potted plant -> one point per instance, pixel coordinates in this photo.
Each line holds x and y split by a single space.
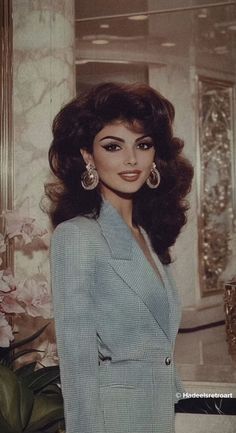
30 394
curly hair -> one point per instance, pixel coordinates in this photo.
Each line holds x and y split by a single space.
162 211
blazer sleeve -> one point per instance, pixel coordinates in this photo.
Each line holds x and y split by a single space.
72 274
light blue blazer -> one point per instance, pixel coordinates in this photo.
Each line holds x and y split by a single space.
116 325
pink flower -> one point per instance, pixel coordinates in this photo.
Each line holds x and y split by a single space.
48 357
9 304
45 358
18 225
7 281
35 294
8 294
6 334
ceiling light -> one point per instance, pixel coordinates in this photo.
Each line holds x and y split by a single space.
104 26
168 44
81 62
138 17
100 41
232 27
125 62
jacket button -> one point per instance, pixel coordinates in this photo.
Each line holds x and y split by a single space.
167 360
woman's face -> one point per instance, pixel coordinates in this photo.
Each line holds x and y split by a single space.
123 157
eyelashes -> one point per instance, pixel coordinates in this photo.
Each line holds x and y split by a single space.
145 146
113 147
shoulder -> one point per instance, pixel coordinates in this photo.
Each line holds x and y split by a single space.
78 224
78 229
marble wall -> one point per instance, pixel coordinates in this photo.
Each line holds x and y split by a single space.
43 67
185 250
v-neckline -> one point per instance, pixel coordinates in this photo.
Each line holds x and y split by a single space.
109 210
155 269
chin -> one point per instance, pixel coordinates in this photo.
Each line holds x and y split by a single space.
124 191
119 187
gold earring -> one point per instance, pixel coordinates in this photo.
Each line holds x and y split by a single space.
154 177
89 178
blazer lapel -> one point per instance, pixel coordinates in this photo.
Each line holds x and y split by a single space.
130 263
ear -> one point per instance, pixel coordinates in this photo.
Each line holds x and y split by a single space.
87 157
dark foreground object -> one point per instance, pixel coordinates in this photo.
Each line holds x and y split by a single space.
213 406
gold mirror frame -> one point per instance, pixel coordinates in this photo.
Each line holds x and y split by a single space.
216 180
6 123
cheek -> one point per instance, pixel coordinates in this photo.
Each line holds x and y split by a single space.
146 160
105 162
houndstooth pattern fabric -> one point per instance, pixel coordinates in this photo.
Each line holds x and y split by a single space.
116 324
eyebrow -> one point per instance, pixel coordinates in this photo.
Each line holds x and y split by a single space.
121 139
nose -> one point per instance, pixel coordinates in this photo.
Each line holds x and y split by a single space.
130 158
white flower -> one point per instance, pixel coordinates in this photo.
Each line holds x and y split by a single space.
48 356
7 281
18 225
6 334
35 294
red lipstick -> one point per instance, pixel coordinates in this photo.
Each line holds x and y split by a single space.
130 175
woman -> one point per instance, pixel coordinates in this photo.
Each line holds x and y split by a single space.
118 205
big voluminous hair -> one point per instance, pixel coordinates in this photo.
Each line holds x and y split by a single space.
161 211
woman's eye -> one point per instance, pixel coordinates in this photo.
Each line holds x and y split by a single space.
111 147
145 146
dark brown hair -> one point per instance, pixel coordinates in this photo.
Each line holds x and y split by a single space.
162 211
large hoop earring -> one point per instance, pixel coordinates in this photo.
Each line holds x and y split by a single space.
154 177
89 178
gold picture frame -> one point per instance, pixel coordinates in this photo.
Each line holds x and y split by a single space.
216 180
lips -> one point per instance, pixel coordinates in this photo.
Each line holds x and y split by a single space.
130 176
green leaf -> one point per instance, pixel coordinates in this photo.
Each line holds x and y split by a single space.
26 404
55 427
5 356
6 353
41 378
20 343
29 339
51 389
24 352
46 410
5 361
4 426
16 400
26 369
10 399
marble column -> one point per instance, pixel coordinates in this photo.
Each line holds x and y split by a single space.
44 80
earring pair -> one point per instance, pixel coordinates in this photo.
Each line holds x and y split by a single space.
90 178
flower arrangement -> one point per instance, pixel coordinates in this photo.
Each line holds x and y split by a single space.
30 296
30 395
